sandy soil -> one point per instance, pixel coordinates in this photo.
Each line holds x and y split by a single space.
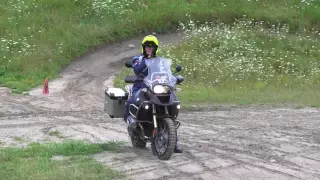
236 143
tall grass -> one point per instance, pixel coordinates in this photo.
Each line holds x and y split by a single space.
39 37
247 63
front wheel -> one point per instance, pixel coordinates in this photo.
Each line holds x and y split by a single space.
164 140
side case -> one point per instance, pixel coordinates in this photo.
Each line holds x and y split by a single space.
114 104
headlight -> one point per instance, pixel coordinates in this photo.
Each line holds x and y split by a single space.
159 89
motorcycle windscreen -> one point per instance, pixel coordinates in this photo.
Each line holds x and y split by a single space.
159 72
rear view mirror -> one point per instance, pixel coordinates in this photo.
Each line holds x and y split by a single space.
178 68
128 64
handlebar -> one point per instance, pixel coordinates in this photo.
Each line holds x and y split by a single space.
133 79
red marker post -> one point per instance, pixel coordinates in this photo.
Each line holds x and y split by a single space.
46 86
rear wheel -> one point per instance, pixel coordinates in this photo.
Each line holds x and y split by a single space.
164 140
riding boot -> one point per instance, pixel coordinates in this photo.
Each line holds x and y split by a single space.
177 149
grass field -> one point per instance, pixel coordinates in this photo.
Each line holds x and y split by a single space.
37 162
246 63
39 37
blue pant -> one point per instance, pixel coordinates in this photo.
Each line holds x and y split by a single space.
126 113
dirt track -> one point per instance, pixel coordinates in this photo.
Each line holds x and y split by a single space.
238 143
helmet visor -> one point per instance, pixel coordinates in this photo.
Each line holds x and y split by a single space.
149 44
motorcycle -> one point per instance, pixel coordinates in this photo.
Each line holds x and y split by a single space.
156 107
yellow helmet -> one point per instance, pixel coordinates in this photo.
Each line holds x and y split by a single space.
150 40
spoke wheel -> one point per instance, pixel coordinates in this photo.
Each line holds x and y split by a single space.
164 140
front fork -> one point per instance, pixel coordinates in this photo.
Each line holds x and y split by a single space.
154 115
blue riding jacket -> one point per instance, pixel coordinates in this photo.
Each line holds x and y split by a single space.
140 70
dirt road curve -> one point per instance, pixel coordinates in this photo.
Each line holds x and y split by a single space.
239 143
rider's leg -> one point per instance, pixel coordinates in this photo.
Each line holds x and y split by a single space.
135 88
129 118
126 112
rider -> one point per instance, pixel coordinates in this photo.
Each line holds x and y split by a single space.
149 50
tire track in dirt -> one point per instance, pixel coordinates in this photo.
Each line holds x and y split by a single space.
224 154
239 143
